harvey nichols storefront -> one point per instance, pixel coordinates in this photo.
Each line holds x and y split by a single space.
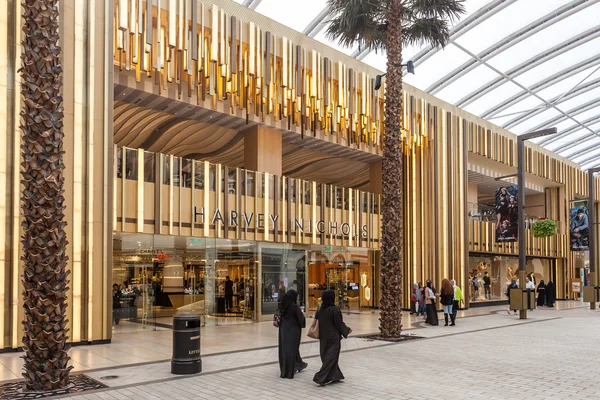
229 242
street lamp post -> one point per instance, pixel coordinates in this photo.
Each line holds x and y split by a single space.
521 202
592 233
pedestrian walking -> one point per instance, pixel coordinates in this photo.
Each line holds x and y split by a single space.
513 285
550 294
291 323
541 294
421 300
432 317
447 300
414 305
458 299
331 331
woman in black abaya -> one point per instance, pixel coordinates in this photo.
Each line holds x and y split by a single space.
290 331
432 317
541 294
331 330
550 294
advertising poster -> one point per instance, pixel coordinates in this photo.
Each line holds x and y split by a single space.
579 228
507 214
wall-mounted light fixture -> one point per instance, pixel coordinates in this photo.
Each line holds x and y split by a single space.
410 67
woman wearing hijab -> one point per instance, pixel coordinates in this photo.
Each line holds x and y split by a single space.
550 294
414 308
432 317
331 330
541 294
290 331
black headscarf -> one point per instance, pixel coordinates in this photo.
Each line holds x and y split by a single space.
328 298
288 299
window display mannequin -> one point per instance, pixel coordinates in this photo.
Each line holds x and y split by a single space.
486 285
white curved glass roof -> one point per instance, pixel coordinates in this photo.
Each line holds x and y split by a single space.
521 64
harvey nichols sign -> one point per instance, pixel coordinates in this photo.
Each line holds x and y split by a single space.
251 220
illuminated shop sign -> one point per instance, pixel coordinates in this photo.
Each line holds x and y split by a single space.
259 220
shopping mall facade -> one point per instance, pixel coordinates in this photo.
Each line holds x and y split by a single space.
215 158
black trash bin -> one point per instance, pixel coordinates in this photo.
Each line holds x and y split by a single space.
186 344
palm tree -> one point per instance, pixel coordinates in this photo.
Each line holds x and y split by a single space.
42 201
388 25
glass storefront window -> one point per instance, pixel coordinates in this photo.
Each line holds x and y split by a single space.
149 166
260 184
307 193
224 179
345 270
231 180
292 189
283 268
119 158
176 170
212 177
167 171
158 276
131 167
186 173
249 183
199 175
489 276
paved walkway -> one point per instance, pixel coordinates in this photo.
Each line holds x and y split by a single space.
553 354
132 344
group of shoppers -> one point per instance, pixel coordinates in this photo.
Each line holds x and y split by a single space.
546 293
424 300
331 328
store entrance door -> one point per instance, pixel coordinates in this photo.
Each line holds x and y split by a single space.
234 282
133 299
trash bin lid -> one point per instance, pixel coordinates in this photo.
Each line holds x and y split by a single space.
186 317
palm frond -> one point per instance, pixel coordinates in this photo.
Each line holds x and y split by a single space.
441 9
433 31
357 22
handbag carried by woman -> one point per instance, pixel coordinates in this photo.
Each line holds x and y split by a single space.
313 331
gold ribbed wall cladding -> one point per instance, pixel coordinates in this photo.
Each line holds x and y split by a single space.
499 147
163 194
87 94
207 53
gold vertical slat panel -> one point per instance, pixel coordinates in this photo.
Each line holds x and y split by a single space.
5 130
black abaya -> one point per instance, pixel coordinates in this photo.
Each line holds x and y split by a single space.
432 316
331 330
550 294
541 294
290 332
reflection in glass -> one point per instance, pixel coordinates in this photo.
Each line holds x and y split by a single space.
176 170
249 183
199 175
167 171
283 269
212 177
186 173
489 276
149 166
131 167
231 178
119 158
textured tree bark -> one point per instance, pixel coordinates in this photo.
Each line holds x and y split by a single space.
42 201
392 183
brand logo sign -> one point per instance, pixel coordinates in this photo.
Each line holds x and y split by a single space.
259 221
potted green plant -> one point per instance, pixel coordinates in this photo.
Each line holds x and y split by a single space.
543 228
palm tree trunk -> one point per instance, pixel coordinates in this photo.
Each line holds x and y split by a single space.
42 201
392 182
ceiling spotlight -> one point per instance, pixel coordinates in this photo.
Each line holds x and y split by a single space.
410 67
